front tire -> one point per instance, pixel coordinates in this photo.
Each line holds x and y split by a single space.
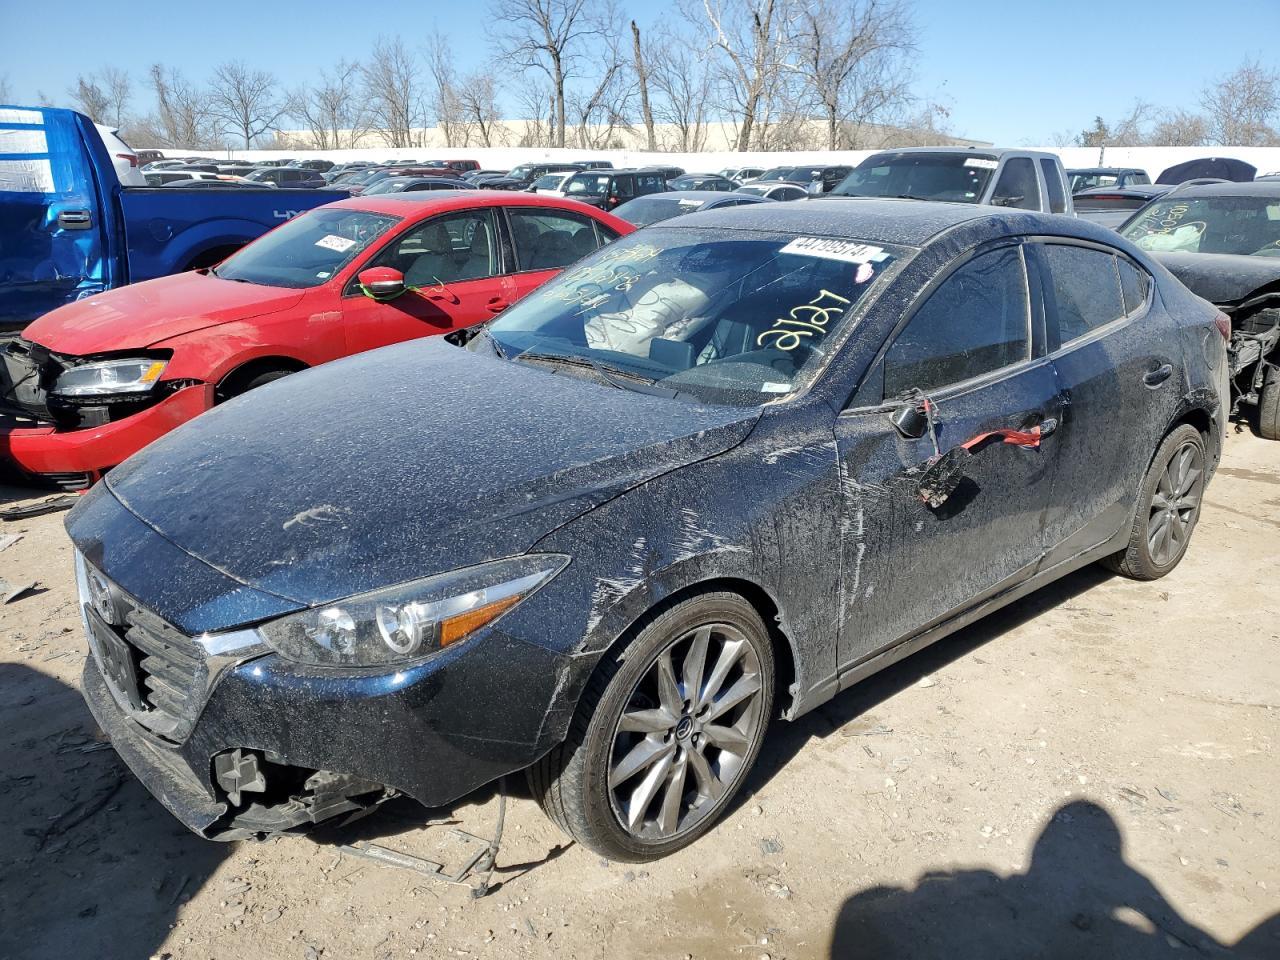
665 732
1269 404
1168 508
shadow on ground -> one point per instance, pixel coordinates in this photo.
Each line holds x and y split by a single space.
90 863
1079 899
785 740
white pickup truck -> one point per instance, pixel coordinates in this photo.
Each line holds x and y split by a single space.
1024 179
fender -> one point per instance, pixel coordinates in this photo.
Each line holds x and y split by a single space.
209 354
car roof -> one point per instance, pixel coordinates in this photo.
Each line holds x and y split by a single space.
687 195
394 203
1253 188
1103 170
907 222
997 152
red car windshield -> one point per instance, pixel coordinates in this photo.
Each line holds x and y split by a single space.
308 250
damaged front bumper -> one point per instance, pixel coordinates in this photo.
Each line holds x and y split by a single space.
71 441
264 745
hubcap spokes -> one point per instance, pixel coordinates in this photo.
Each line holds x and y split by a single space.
1175 504
683 738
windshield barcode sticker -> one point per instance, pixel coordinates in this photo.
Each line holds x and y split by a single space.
982 163
829 248
340 244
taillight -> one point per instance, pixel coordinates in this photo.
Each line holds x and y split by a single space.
1223 323
132 158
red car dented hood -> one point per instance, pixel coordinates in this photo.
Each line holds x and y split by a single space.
143 314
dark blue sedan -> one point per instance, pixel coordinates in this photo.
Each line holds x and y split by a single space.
710 476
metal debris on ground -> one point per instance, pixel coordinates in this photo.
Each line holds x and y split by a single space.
481 863
9 539
9 592
25 511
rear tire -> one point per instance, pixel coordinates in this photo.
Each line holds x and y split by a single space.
1167 510
1269 404
665 732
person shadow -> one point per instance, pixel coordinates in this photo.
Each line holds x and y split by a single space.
1079 899
90 863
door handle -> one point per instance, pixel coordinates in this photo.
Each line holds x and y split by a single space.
1048 427
496 305
75 219
1158 376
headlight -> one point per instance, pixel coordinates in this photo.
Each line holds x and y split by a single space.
109 377
412 620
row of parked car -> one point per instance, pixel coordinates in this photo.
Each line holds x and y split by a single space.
610 500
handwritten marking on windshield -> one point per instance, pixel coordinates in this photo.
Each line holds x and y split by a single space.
813 319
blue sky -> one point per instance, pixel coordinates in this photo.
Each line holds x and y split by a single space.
1012 72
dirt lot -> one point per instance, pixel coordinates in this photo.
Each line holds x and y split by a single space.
1094 772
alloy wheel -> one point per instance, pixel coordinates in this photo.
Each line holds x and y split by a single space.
1175 504
682 740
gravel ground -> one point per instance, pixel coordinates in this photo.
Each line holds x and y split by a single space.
1092 772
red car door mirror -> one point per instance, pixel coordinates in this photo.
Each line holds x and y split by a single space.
381 283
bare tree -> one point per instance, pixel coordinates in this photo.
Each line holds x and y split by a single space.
182 117
445 101
548 36
538 110
600 111
246 102
6 89
478 104
89 98
333 110
1179 128
642 81
1242 108
750 39
854 57
393 84
683 89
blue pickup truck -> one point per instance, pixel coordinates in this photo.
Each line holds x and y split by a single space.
69 229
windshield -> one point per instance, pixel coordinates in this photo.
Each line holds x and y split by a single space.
645 210
777 173
591 184
550 182
522 172
1247 226
739 317
954 177
307 250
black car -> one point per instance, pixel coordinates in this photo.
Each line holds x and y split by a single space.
288 177
1223 241
1112 206
607 189
318 165
415 184
773 190
702 181
668 172
729 466
656 207
1088 178
522 176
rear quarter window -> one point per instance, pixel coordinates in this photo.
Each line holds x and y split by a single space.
1135 284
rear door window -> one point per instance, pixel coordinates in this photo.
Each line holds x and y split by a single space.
977 321
1017 186
551 239
1085 287
1053 185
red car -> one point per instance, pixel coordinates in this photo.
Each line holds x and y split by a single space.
91 382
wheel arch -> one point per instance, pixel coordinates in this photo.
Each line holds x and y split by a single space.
785 660
246 370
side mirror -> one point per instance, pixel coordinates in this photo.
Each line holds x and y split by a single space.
910 421
381 283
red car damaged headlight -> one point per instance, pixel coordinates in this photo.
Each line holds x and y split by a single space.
109 377
413 620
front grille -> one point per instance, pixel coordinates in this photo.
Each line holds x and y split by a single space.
168 669
171 669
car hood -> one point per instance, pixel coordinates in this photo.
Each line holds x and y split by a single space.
142 314
404 462
1219 277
